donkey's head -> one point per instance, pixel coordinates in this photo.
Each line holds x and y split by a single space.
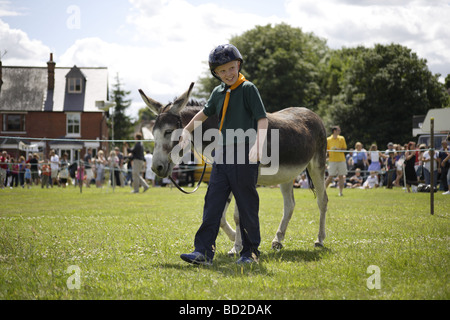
168 119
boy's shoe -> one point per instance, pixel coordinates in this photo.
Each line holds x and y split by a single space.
245 260
196 258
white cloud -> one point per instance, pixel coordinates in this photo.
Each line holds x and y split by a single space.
419 25
21 50
7 11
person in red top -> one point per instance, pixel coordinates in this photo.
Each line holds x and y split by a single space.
46 174
3 168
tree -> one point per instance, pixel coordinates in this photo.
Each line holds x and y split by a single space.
373 93
282 61
123 127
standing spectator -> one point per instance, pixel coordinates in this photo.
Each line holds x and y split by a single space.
34 168
149 174
138 162
64 173
54 166
80 174
426 159
359 158
45 173
390 168
410 171
445 165
28 175
114 170
447 160
88 167
100 164
14 168
22 166
337 165
3 169
121 158
374 156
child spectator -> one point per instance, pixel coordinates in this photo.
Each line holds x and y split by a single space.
28 175
45 174
371 181
356 180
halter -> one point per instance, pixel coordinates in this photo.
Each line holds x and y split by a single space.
179 125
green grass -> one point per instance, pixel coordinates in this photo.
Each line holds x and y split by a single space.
127 246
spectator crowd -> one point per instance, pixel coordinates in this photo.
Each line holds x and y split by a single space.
48 172
400 165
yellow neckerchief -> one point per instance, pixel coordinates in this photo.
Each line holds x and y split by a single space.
240 80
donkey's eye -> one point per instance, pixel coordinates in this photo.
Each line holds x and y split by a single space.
168 132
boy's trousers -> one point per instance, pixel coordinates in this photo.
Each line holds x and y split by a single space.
241 180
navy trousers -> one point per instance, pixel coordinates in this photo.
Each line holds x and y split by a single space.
241 180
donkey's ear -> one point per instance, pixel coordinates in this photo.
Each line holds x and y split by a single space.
181 101
153 105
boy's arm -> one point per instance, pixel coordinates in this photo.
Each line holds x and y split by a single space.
186 134
256 151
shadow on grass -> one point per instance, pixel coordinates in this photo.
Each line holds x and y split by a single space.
298 255
225 265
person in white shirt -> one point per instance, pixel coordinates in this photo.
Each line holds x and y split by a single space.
54 166
371 181
149 174
426 159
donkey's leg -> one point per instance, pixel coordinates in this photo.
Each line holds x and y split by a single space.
317 174
238 239
289 204
224 223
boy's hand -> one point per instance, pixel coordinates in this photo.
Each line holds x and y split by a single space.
254 155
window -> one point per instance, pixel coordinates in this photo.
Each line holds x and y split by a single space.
75 85
14 122
73 124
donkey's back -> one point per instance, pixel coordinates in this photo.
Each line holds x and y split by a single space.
302 138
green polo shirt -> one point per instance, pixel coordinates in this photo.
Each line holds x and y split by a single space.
245 108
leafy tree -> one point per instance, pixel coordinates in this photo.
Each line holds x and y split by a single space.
373 93
123 126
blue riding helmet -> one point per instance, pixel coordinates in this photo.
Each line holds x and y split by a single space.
223 54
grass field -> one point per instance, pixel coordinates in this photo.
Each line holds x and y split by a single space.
60 244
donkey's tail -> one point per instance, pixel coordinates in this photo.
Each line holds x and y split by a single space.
311 184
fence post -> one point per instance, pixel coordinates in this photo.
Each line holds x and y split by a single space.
432 166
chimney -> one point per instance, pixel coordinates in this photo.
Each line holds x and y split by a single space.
51 73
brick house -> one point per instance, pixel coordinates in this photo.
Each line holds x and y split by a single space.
53 103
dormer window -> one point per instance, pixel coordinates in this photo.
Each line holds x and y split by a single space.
75 85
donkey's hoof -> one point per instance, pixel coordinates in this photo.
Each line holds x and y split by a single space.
318 244
277 245
233 252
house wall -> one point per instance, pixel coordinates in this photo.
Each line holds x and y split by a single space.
53 125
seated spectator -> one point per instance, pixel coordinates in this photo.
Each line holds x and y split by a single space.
302 182
371 181
356 180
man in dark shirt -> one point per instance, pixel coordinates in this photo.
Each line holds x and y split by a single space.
137 154
34 162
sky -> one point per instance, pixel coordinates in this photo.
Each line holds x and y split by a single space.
161 46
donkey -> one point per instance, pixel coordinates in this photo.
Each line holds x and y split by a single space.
302 145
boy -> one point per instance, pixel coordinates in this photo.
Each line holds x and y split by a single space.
239 106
